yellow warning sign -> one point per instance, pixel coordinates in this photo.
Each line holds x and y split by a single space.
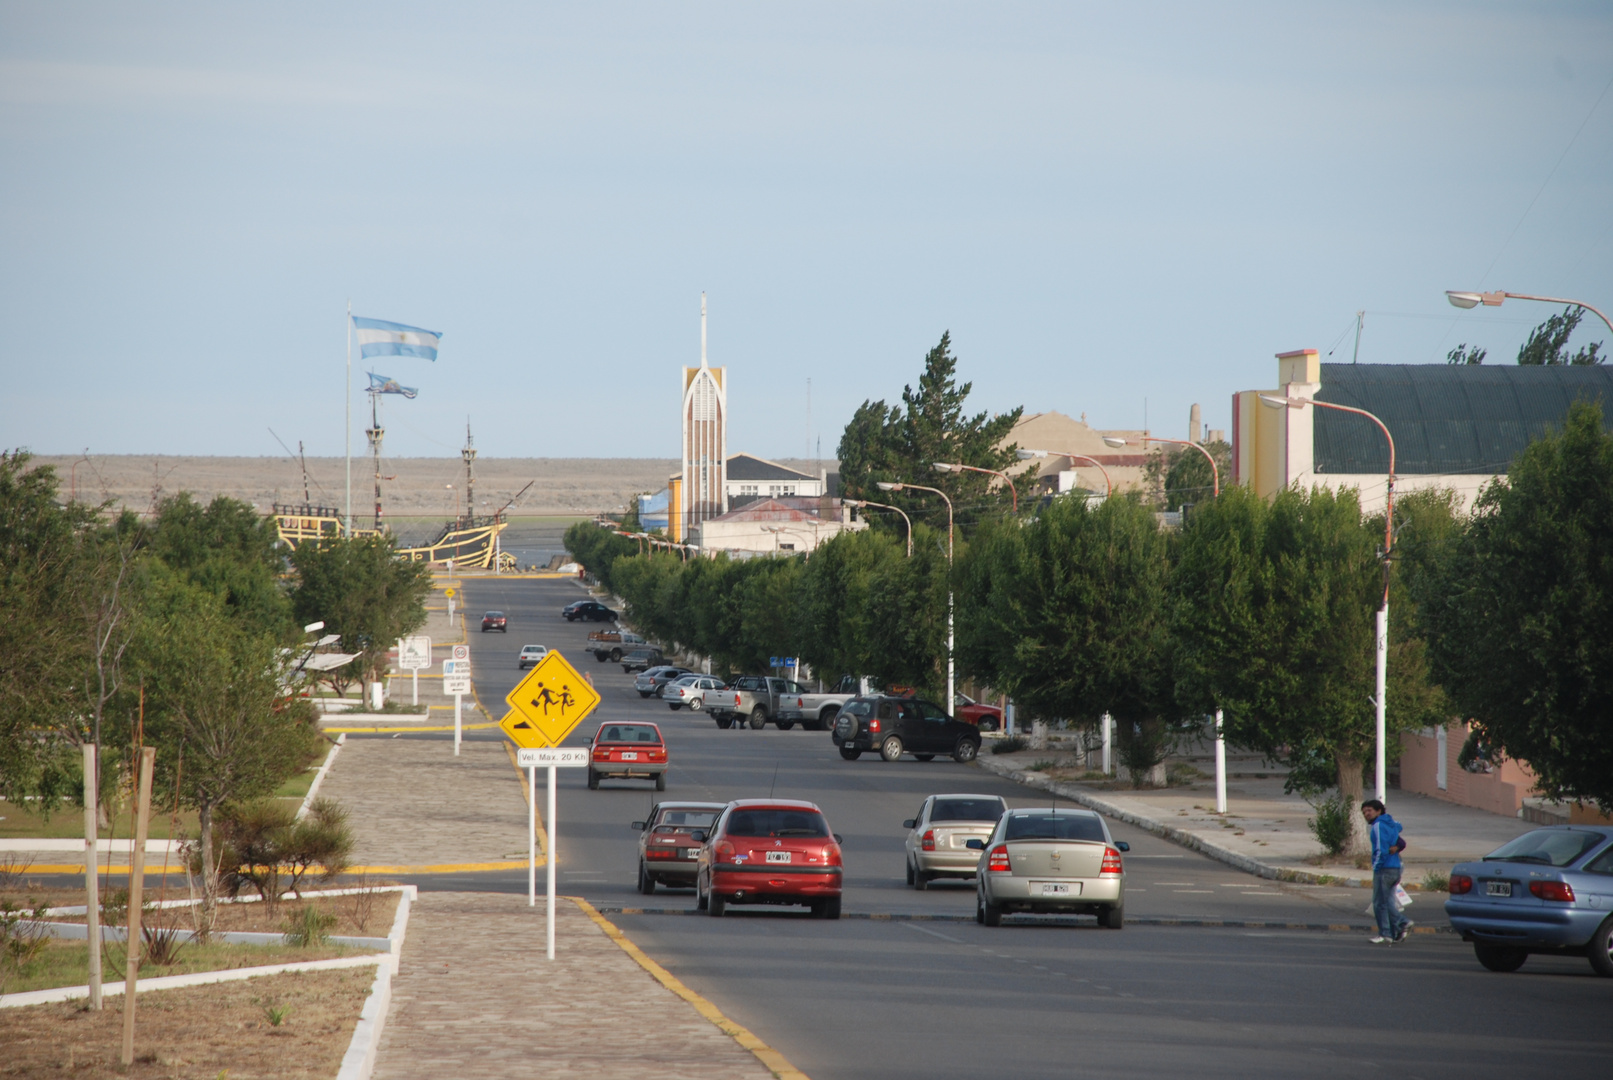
547 704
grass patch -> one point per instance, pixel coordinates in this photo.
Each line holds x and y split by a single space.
1436 881
23 820
1010 745
67 963
1043 765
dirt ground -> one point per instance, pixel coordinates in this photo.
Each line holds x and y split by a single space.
195 1033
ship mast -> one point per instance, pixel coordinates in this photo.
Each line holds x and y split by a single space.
469 454
375 432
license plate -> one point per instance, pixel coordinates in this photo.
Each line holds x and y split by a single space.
778 856
688 852
1498 888
1055 888
630 755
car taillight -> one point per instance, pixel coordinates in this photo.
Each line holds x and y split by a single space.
657 755
873 726
602 754
928 842
1111 863
1552 890
800 703
661 853
998 863
831 855
724 850
1461 883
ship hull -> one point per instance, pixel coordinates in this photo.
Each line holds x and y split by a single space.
471 545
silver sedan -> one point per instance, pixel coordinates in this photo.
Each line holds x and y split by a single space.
938 838
1052 861
690 691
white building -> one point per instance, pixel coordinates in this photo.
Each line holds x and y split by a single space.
749 478
781 526
703 493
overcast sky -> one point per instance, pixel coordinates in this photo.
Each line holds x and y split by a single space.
1105 204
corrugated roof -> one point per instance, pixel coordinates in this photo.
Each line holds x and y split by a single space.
1446 418
750 467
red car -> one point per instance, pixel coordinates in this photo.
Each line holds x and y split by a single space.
769 851
628 752
495 620
983 716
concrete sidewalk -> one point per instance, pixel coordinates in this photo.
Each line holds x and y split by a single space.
1264 830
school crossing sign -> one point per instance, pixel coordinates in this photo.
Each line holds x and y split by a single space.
547 704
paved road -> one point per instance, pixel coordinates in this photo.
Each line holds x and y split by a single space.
952 999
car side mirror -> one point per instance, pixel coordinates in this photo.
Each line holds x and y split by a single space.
1122 845
639 825
699 836
909 823
838 838
975 844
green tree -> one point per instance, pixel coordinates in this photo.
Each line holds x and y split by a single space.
362 591
1548 342
1182 476
1518 608
231 550
1463 354
597 548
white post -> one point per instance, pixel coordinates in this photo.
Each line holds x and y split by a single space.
458 698
1107 759
952 687
1220 766
92 884
349 435
1008 718
531 836
414 689
548 825
1383 680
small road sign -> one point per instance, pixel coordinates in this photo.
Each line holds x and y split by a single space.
547 704
448 593
414 653
564 758
461 652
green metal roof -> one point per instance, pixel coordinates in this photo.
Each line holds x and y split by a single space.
1447 418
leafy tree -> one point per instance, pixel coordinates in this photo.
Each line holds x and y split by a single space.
1548 342
231 550
1463 354
1519 611
1182 476
1069 615
597 549
362 591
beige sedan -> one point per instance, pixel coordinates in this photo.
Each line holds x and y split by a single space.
1050 861
938 838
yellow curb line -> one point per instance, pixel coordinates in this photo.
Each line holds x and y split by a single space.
537 815
434 868
411 727
768 1056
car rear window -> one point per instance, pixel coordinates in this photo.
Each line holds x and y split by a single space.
1054 827
858 708
966 810
1549 847
673 820
777 823
631 733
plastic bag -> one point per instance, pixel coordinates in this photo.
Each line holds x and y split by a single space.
1402 897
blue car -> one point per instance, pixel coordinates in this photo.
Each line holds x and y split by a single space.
1550 891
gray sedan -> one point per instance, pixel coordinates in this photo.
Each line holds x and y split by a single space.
1051 861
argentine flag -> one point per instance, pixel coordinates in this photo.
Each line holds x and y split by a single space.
377 337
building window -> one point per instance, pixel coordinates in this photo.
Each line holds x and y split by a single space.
786 547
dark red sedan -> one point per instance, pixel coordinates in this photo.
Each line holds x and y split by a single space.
495 620
770 851
983 716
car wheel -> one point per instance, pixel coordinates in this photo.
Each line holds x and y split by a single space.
646 884
699 896
965 751
988 914
616 656
921 880
1500 957
674 705
1601 950
758 717
826 719
660 781
1112 918
988 723
891 748
715 905
850 753
909 865
724 722
593 780
925 757
828 908
641 693
786 725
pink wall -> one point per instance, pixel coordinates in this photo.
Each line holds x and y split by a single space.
1500 792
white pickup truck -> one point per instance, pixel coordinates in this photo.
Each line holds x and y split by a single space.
756 699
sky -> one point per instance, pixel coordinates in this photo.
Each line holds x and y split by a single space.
1116 210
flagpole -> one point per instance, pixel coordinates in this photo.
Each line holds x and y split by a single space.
349 434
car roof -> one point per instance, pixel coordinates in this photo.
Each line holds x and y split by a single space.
530 648
774 804
1057 811
964 795
690 806
629 723
495 613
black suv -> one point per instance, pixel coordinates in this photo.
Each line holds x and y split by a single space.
642 659
592 610
902 725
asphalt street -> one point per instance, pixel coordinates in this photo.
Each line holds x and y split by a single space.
945 997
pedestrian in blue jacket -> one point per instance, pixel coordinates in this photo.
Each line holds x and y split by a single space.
1386 849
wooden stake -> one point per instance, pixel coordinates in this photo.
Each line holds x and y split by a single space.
92 884
137 880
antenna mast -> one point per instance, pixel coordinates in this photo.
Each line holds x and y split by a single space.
375 432
469 454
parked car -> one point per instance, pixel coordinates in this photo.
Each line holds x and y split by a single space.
1550 891
938 838
983 716
1050 861
651 679
690 690
530 656
756 699
667 848
495 620
627 752
612 644
642 659
770 851
895 726
592 610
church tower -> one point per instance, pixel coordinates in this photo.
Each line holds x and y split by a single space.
705 442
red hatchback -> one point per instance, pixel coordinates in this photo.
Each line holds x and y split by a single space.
770 851
628 751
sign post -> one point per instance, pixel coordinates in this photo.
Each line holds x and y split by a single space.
545 707
456 681
449 593
414 653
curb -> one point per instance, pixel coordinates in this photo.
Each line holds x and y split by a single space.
200 978
1060 920
359 1061
319 777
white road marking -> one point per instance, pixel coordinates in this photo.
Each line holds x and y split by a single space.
933 933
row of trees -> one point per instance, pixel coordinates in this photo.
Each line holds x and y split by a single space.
173 631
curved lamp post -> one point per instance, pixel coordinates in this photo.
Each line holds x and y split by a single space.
1215 473
947 467
1388 543
884 506
951 681
1468 300
1108 485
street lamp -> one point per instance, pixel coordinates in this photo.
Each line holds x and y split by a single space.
1388 543
1215 473
1108 485
1469 300
883 506
946 467
952 685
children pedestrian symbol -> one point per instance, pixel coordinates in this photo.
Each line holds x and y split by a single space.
566 700
545 698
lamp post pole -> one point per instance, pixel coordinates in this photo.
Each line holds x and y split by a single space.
952 686
884 506
948 467
1108 484
1215 473
1381 763
1494 299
